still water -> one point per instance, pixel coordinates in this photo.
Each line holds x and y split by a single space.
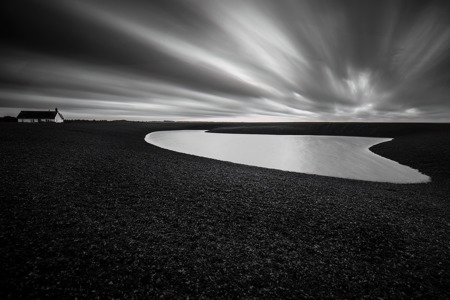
337 156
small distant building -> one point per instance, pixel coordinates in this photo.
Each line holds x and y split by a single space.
39 116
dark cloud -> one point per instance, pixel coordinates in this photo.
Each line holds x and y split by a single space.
255 59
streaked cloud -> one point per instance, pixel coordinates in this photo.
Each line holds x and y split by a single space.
249 60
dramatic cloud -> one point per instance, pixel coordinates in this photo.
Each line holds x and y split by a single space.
228 60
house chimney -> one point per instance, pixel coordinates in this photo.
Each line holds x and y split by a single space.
56 109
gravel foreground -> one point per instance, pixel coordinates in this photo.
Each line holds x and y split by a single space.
89 210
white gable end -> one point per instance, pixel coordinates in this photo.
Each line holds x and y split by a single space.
58 118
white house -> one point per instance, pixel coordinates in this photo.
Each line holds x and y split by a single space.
38 116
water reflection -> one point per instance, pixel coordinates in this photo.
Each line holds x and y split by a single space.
337 156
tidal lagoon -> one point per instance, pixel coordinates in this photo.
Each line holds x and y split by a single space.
336 156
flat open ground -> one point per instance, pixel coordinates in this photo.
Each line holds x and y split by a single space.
90 210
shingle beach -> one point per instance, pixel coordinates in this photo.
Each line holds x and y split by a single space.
90 210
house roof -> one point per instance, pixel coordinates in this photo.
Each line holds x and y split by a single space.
38 114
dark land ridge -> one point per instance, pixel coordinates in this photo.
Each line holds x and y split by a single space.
90 210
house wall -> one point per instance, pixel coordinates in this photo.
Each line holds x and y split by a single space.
36 121
27 120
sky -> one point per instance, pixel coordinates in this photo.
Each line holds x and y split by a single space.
227 60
